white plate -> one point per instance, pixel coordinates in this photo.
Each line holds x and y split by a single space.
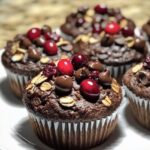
15 129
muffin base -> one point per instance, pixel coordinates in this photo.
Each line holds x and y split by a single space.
73 134
17 82
118 71
140 108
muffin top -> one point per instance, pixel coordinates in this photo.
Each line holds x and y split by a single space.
86 20
73 88
146 28
116 44
28 53
137 79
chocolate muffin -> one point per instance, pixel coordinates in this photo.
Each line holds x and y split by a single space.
115 46
86 20
137 86
28 53
75 106
146 29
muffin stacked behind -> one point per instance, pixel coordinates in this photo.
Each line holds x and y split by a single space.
116 47
86 20
74 103
137 85
28 53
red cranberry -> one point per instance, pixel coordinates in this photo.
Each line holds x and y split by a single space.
50 48
79 60
89 88
94 75
127 31
65 67
34 33
101 9
112 28
96 28
80 22
147 62
50 70
52 36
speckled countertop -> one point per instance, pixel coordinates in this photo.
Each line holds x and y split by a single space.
18 15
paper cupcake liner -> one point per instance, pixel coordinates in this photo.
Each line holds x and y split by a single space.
118 71
17 82
73 134
140 108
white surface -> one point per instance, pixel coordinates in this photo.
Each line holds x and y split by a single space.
128 135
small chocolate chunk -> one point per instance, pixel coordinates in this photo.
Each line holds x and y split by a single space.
46 28
81 74
107 40
63 83
34 54
40 41
139 44
26 42
96 65
67 47
120 41
105 78
143 77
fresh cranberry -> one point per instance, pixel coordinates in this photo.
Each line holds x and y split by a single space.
89 88
94 75
34 33
127 31
50 48
80 21
52 36
96 28
147 62
112 28
100 9
79 60
65 67
50 70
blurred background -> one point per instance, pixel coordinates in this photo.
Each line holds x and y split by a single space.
19 15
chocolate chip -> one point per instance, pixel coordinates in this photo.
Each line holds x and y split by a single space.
105 78
139 44
63 83
40 41
81 74
96 65
34 54
26 42
143 77
46 28
120 41
67 47
107 40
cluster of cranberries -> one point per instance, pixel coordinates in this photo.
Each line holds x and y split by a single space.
146 63
47 39
66 67
110 28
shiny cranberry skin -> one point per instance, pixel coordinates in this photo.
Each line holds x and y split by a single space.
127 31
34 33
80 22
52 36
100 9
65 67
94 75
96 28
50 48
89 88
112 28
79 60
147 62
50 70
